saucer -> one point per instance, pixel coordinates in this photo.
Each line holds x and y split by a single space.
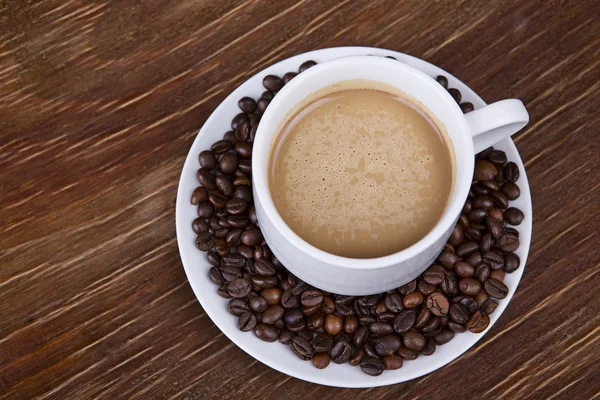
276 355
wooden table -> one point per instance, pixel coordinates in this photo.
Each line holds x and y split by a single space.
99 104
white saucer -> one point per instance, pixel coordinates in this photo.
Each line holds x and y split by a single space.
276 355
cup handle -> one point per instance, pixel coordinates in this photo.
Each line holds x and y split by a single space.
495 122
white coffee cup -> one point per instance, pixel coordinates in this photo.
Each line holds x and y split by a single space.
469 134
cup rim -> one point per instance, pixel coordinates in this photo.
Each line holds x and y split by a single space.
262 192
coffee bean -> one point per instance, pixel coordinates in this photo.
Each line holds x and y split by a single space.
238 221
448 259
467 247
272 294
223 291
426 288
511 262
247 321
456 328
463 221
489 306
207 160
199 225
511 190
387 345
341 352
408 287
429 348
321 360
205 241
511 172
482 272
469 286
514 216
466 107
252 237
478 322
306 65
264 282
404 321
498 274
361 336
288 77
213 258
423 318
199 194
272 83
228 163
233 237
264 267
485 170
457 236
509 242
455 93
327 306
450 284
258 304
408 354
372 366
434 275
381 329
285 336
458 313
477 216
413 300
483 202
289 300
496 157
231 273
357 357
333 324
438 303
394 302
500 199
442 80
267 333
221 146
414 340
239 288
315 322
443 337
311 298
221 248
494 227
323 342
302 348
273 313
247 105
496 288
239 119
464 269
215 276
206 179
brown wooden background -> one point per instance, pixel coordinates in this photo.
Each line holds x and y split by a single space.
99 104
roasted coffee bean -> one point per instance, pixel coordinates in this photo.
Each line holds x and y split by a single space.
214 222
199 225
489 306
361 336
357 357
456 328
455 93
426 288
496 157
442 80
333 324
207 160
464 269
494 260
267 95
228 163
494 227
243 150
509 242
473 234
434 275
252 215
473 258
496 288
466 107
477 216
289 300
381 329
381 308
366 319
500 199
264 267
387 345
429 348
372 366
447 259
306 65
511 262
511 172
206 209
438 303
267 333
239 288
221 233
423 318
457 236
225 185
229 137
233 237
258 304
273 313
221 248
231 273
321 360
302 348
450 284
217 199
478 322
199 194
467 247
394 302
244 193
288 77
408 354
215 276
469 286
408 287
247 105
262 105
272 294
315 322
498 274
239 119
238 221
468 302
323 342
272 83
285 336
245 166
513 216
327 306
205 241
221 146
404 321
223 291
265 282
431 326
341 352
412 300
247 321
458 313
511 191
414 340
483 202
252 237
213 258
463 221
481 298
311 298
482 272
485 170
443 337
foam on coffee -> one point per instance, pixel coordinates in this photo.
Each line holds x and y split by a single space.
361 173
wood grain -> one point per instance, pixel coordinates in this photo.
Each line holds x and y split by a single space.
99 104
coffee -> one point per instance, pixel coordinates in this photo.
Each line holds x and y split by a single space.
360 171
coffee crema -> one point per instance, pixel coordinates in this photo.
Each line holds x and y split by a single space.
360 172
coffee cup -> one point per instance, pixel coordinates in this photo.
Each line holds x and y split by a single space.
468 134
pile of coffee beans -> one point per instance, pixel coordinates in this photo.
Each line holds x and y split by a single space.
377 332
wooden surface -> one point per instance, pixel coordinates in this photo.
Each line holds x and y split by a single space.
99 104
